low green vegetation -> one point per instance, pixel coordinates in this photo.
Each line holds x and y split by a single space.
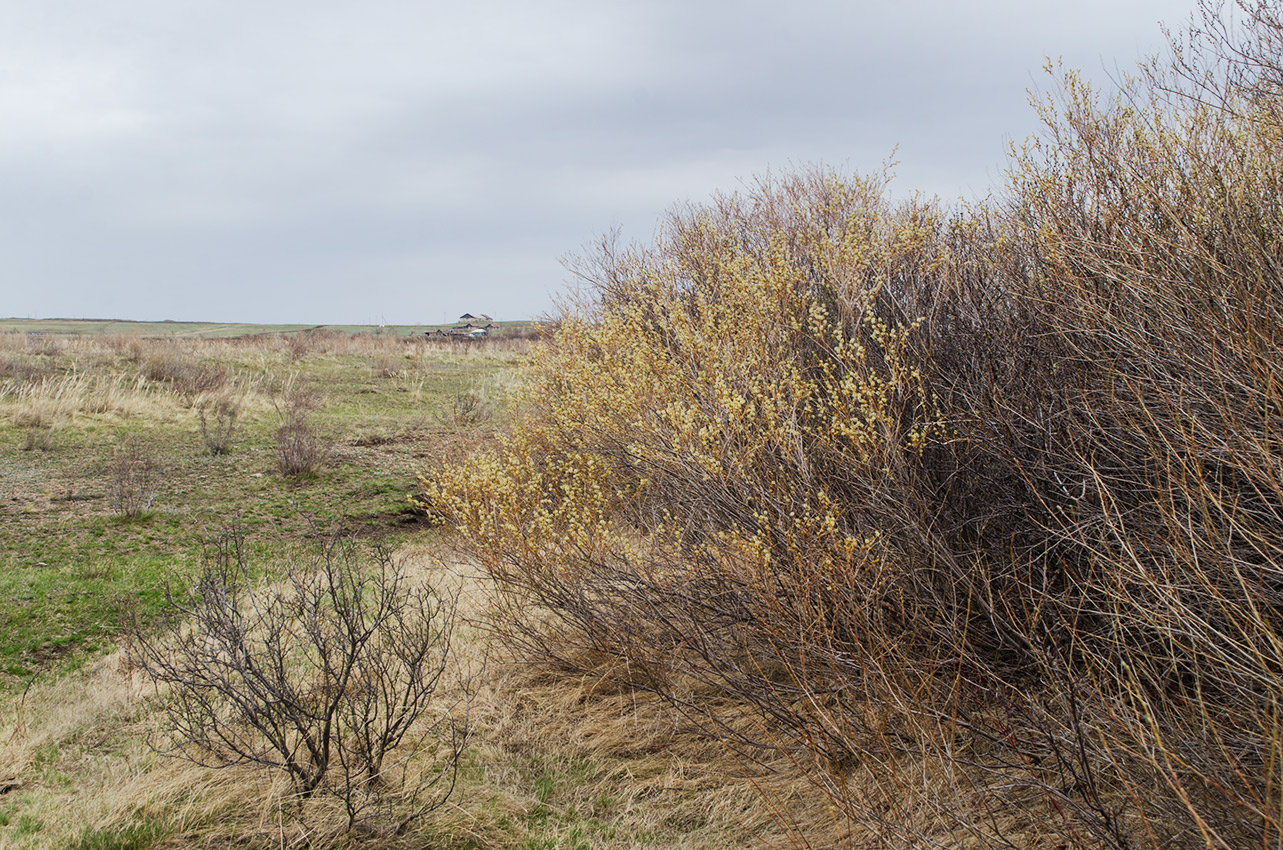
112 486
135 836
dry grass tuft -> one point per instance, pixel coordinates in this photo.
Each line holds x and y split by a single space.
174 366
76 747
55 401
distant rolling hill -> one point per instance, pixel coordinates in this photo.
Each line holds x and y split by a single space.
214 330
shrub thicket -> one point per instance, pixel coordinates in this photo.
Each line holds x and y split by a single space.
979 512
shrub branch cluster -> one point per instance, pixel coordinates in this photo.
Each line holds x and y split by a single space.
321 677
979 512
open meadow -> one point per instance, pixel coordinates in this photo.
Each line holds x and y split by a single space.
124 458
121 455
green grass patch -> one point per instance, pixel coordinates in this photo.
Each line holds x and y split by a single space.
74 571
136 836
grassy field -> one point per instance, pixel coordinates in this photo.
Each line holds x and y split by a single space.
71 565
836 518
92 425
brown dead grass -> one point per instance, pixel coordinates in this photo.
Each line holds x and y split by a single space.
555 760
76 757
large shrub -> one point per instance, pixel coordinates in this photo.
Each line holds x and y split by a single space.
1154 224
742 469
981 513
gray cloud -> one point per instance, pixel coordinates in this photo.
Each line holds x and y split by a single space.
329 162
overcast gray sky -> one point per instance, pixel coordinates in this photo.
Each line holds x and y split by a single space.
409 160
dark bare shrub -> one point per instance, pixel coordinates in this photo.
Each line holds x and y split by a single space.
44 345
326 677
297 346
128 347
1148 231
470 407
24 371
168 364
132 478
218 423
303 449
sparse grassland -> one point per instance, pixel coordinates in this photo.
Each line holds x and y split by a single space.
111 483
218 330
552 761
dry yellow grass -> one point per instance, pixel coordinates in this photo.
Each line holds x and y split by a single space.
113 381
56 402
75 758
554 761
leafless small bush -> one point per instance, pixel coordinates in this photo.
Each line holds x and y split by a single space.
132 478
297 346
218 423
44 345
129 348
23 371
470 407
302 448
327 677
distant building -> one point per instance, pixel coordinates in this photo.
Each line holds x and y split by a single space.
470 329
